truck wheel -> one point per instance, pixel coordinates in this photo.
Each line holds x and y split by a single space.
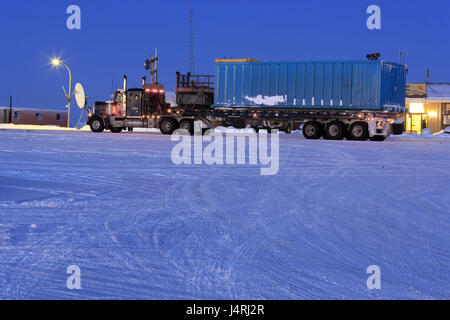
334 130
115 130
358 131
238 123
312 130
97 125
377 138
187 124
167 126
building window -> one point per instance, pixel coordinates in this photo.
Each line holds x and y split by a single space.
416 108
17 115
58 117
446 115
39 116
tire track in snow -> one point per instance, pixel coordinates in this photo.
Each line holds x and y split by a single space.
215 274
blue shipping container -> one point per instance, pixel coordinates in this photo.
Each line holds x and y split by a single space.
350 85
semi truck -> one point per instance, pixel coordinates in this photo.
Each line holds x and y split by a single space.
356 100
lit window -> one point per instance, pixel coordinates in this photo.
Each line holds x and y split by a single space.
416 108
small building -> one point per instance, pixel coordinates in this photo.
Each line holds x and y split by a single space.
26 116
429 107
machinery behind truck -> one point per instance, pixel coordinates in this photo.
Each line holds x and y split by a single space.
357 100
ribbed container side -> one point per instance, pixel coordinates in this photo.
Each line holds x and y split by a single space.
311 85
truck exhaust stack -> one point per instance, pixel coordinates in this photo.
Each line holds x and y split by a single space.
125 82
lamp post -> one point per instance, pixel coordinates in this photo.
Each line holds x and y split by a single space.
10 108
56 63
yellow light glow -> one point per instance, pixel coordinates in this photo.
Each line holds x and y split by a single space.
416 108
56 62
432 114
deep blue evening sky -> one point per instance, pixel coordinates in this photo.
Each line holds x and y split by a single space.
117 36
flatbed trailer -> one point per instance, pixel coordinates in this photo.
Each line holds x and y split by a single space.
365 124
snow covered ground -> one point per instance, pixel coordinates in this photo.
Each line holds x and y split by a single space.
140 227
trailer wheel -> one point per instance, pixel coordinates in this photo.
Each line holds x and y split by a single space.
237 123
312 130
115 130
334 130
287 129
97 124
167 126
358 131
187 124
377 138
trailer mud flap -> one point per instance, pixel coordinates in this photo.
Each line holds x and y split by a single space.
377 129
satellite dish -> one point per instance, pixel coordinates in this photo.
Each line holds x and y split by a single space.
81 99
147 64
80 96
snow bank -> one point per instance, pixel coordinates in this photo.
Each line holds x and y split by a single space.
147 130
447 130
424 135
11 126
220 129
297 133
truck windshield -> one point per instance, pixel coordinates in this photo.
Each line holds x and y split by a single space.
119 99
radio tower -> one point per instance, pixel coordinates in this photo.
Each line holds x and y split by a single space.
191 42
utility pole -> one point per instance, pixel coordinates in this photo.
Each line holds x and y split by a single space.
191 42
403 54
428 75
10 108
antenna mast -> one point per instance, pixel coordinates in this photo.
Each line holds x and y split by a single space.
403 54
152 65
428 75
191 41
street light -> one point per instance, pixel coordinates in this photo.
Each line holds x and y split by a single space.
56 62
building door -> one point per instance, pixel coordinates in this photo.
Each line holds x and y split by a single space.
415 122
134 103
